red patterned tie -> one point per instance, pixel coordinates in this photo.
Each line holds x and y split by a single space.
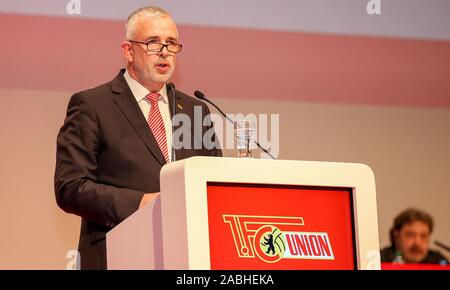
156 124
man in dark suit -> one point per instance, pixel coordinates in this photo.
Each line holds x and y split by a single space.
117 136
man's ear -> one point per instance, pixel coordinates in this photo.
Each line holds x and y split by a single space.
127 51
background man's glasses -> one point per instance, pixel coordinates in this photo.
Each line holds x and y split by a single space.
158 47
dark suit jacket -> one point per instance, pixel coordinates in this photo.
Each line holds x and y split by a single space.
107 158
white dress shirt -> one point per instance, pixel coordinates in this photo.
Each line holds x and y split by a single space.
140 93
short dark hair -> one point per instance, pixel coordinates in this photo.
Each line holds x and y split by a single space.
408 216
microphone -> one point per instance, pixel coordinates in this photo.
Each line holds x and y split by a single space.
171 88
445 247
202 97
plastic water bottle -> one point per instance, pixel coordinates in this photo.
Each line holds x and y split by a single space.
398 259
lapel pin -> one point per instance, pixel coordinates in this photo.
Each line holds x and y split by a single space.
180 106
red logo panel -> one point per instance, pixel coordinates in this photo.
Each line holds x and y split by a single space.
279 227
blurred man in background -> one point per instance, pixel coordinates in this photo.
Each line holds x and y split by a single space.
410 239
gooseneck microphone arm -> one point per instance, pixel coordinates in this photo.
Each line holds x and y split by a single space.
445 247
201 96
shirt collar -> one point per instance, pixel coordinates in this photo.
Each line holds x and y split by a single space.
140 92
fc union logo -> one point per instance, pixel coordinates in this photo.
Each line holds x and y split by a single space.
272 238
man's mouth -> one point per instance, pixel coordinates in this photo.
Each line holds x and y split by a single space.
416 251
163 67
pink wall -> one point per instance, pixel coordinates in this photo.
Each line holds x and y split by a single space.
57 52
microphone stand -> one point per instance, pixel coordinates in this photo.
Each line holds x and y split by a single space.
171 88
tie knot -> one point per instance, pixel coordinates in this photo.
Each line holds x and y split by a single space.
153 97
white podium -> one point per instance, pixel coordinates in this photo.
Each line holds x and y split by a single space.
213 212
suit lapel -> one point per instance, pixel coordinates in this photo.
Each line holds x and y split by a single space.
130 108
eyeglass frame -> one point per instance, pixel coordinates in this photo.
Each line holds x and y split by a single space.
162 45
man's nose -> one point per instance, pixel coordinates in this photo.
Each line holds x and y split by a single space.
164 52
418 241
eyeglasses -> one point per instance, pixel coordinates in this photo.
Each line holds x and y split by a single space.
158 47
